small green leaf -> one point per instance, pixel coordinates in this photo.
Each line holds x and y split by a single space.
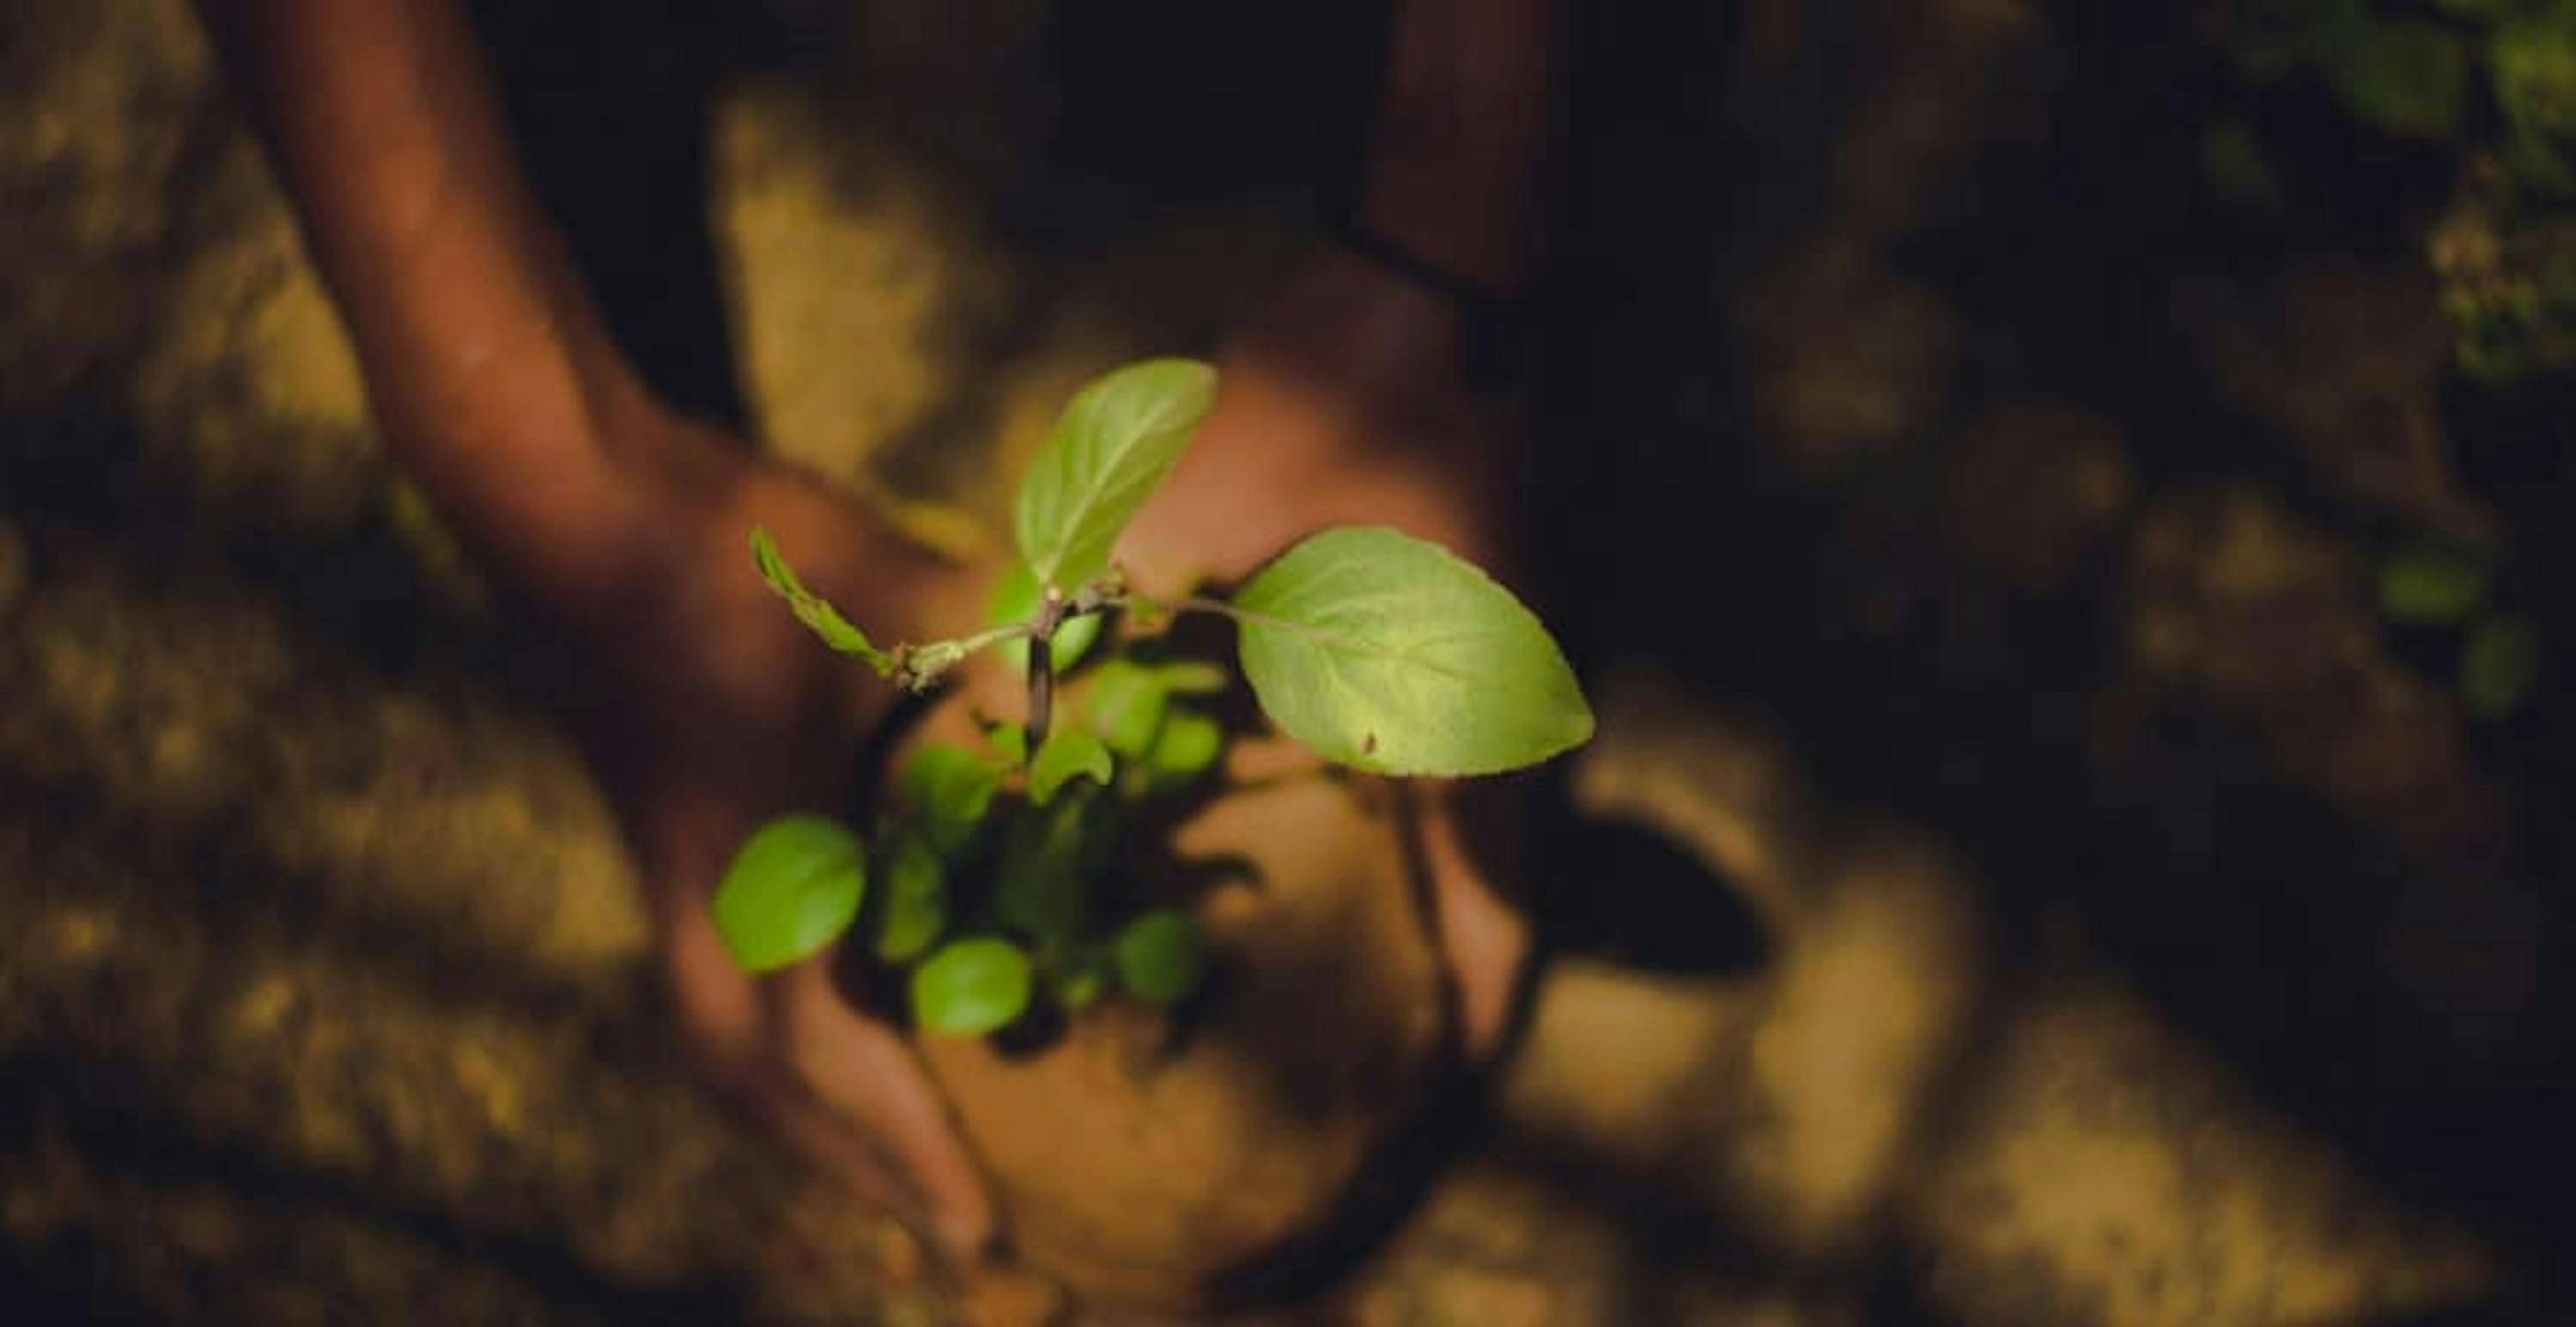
1082 985
811 609
971 987
2433 582
1390 654
1010 741
1105 456
1125 704
949 790
916 900
1015 600
1186 748
1161 958
1067 754
2408 78
793 887
1188 677
1049 856
2498 665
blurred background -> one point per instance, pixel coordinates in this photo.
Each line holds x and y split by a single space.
2054 503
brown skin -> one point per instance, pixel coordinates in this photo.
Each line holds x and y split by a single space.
614 527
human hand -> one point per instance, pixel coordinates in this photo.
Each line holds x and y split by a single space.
705 709
711 709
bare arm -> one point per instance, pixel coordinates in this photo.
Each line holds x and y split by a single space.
619 525
490 373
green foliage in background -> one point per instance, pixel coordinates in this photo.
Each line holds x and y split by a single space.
2494 78
2441 584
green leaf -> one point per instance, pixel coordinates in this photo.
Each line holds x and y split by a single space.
1010 741
811 608
971 987
2408 78
2498 665
916 900
1161 957
2532 66
1186 748
1125 705
1390 654
1067 754
2433 582
793 887
1049 856
1015 600
1105 456
949 790
1127 698
1081 986
1187 677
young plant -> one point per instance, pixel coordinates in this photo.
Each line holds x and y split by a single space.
1376 650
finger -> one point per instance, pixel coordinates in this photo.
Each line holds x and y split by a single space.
838 1087
723 1030
863 1075
1485 941
772 1050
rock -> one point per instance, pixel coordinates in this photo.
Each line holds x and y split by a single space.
2032 488
2236 602
2346 362
2106 1172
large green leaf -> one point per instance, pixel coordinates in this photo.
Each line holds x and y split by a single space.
1390 654
971 987
1105 456
793 887
812 609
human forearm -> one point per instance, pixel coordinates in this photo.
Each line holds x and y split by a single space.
489 371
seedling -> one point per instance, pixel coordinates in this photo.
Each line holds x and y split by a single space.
1376 650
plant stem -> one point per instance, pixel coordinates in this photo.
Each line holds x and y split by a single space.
1041 690
996 635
